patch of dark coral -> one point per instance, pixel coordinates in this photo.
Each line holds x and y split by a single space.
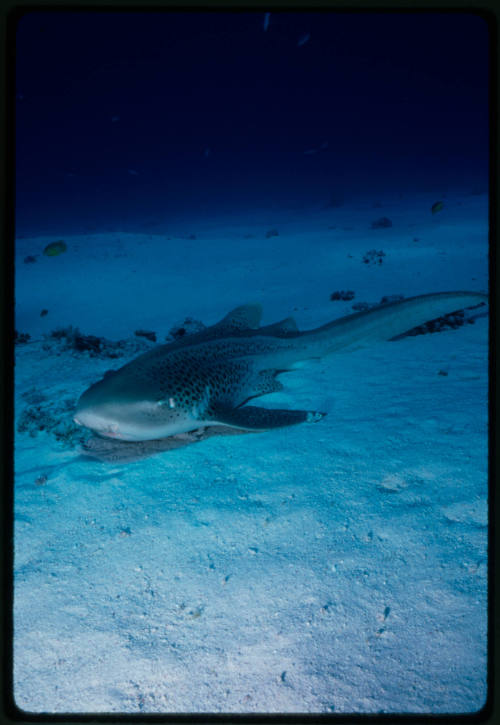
388 299
446 322
21 337
147 334
373 257
363 306
344 295
89 342
72 339
33 396
54 418
188 327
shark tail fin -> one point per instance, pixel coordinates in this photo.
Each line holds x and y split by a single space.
388 321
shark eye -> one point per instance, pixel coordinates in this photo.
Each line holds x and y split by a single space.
170 402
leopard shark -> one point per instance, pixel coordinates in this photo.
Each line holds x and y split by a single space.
208 377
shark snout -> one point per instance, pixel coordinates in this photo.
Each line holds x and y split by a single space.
92 412
96 422
110 413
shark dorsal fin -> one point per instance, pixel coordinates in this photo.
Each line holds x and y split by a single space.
241 318
282 328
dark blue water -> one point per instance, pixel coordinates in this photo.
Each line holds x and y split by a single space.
132 121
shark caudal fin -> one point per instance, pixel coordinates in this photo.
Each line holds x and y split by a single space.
389 321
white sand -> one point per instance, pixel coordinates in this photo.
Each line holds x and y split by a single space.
337 566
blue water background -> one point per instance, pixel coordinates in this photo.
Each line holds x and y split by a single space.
134 121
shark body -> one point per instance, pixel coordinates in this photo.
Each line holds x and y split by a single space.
207 378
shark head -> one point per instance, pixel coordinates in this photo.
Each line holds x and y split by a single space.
120 407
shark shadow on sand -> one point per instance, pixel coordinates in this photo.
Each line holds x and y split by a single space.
111 450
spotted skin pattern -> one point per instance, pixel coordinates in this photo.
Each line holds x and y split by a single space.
207 378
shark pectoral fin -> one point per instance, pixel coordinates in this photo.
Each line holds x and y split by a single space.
249 417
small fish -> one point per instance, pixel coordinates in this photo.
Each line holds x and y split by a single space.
267 17
55 248
437 206
303 39
207 153
133 172
114 119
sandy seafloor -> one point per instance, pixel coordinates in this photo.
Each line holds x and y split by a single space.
339 566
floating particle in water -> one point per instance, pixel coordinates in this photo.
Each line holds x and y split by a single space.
335 202
303 39
43 313
437 206
267 17
55 248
